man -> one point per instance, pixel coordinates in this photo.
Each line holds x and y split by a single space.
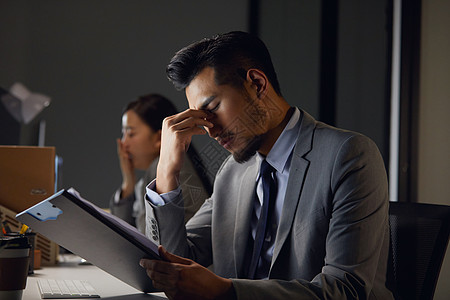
324 232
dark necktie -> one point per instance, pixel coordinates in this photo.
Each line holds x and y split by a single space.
269 194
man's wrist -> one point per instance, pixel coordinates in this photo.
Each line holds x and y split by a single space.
166 184
229 293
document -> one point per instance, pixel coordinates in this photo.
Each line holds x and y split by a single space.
119 223
93 234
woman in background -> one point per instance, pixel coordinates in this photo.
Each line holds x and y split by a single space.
139 150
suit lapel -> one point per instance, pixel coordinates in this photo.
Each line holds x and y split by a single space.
297 173
246 195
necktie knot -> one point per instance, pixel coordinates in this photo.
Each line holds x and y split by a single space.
266 169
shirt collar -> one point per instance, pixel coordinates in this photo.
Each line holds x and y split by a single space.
281 150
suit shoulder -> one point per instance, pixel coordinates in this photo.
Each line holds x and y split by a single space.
340 136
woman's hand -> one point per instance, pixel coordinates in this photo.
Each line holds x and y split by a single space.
127 168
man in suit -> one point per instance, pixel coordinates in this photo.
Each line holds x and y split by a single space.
323 233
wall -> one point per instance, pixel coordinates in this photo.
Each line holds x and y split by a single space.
291 30
434 109
362 87
92 57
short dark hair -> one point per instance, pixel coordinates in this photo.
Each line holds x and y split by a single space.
230 55
152 109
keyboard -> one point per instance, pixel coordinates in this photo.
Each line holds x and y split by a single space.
66 289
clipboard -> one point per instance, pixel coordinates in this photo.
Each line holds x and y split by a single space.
101 238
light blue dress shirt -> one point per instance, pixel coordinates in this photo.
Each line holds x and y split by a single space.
279 158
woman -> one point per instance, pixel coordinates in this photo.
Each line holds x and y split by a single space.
139 150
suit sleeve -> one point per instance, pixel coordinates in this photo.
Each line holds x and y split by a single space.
173 232
357 232
191 240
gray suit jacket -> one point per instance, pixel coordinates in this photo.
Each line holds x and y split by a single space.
332 240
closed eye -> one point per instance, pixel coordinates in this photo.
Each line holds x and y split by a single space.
214 108
127 132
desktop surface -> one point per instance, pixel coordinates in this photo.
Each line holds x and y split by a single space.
69 267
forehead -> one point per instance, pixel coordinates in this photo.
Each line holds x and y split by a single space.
202 88
131 118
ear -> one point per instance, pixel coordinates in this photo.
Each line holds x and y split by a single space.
258 82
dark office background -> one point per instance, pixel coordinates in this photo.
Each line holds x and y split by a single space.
333 59
92 57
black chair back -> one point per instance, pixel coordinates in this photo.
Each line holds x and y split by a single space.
419 238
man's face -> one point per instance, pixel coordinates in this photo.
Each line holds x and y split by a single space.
239 118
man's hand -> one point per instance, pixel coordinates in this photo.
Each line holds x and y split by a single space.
176 136
182 278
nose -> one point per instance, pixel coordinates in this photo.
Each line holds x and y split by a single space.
214 131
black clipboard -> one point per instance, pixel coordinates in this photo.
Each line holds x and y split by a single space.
101 238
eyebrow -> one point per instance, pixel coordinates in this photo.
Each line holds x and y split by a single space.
207 101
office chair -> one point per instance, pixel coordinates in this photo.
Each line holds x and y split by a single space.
419 239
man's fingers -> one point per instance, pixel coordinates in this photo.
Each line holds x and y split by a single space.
196 113
189 118
189 123
172 257
162 286
166 280
156 265
163 274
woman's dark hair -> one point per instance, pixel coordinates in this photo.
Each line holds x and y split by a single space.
152 109
230 55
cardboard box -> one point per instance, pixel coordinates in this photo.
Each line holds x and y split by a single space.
27 176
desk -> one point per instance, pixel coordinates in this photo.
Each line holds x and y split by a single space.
107 286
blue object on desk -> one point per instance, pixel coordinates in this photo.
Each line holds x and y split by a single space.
45 210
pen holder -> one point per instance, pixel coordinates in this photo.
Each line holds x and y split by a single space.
14 260
31 236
